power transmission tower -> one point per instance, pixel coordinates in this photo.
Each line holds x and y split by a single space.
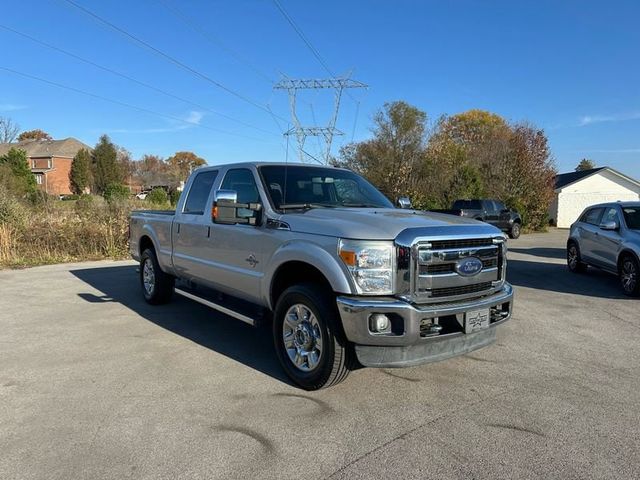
329 131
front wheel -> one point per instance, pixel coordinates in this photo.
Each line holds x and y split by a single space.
515 231
157 286
311 349
574 260
630 276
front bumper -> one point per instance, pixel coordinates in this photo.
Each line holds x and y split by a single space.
408 345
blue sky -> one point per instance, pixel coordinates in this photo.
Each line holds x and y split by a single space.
569 67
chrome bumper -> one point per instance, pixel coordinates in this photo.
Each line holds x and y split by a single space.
408 346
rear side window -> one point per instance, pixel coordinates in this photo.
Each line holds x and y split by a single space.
499 206
467 205
199 193
592 216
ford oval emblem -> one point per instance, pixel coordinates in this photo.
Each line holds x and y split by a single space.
468 267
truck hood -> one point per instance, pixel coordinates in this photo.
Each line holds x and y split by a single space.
379 223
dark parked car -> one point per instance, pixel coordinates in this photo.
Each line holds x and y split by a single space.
607 236
490 211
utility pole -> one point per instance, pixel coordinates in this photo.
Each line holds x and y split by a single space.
327 132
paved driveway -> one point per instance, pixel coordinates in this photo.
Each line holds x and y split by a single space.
95 384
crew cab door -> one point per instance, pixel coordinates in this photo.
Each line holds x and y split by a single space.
191 228
503 216
236 259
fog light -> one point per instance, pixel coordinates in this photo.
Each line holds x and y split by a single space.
379 323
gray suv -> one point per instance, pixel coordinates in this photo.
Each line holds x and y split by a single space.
607 236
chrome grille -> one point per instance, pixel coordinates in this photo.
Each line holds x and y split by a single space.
434 268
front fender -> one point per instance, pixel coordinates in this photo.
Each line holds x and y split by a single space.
304 251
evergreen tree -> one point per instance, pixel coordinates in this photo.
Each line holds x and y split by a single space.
80 174
16 160
106 170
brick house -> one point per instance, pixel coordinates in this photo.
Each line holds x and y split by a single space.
50 161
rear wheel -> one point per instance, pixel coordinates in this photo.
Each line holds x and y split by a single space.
574 260
157 286
515 230
309 345
630 276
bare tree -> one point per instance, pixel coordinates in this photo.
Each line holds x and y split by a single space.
8 130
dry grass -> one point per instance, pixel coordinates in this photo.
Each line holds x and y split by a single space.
55 231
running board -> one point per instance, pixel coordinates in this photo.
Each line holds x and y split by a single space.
216 306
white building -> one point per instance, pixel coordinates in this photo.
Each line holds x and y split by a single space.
577 190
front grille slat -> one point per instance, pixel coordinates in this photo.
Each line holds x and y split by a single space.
451 291
460 243
450 267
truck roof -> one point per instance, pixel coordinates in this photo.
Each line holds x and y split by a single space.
269 164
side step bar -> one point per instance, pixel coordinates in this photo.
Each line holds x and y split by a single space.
218 307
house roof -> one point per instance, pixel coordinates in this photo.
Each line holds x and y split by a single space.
67 147
565 179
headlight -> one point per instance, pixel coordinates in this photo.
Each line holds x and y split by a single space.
370 264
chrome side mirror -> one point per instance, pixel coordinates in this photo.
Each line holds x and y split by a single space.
612 225
404 202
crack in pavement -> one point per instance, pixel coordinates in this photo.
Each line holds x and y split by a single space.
413 430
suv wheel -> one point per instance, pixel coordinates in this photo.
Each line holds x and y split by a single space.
630 276
309 346
515 230
574 260
157 286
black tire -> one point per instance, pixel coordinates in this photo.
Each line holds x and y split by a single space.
629 274
333 363
515 230
574 260
160 290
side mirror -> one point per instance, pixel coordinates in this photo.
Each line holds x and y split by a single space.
505 210
227 210
404 202
612 225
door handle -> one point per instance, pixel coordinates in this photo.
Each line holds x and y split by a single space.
178 230
208 232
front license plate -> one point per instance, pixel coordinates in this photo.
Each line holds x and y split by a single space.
475 320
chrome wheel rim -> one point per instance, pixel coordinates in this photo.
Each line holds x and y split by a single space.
629 276
302 337
148 276
515 230
572 257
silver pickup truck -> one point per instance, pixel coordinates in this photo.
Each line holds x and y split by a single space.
344 277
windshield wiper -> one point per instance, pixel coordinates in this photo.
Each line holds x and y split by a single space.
303 206
360 205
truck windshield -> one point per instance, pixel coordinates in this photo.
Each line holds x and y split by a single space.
308 187
632 217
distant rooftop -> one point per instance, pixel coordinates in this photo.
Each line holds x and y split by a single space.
67 147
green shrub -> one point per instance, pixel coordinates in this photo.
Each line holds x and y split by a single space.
174 197
158 196
70 197
116 192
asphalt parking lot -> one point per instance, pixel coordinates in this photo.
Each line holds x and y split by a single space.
96 384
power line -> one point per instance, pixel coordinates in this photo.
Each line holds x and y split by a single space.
131 79
213 39
123 104
301 34
168 57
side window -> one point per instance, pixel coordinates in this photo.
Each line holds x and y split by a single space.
499 206
610 215
199 193
593 216
241 180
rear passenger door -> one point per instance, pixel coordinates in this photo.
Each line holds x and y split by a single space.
192 227
503 215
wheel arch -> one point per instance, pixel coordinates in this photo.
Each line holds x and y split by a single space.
626 252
